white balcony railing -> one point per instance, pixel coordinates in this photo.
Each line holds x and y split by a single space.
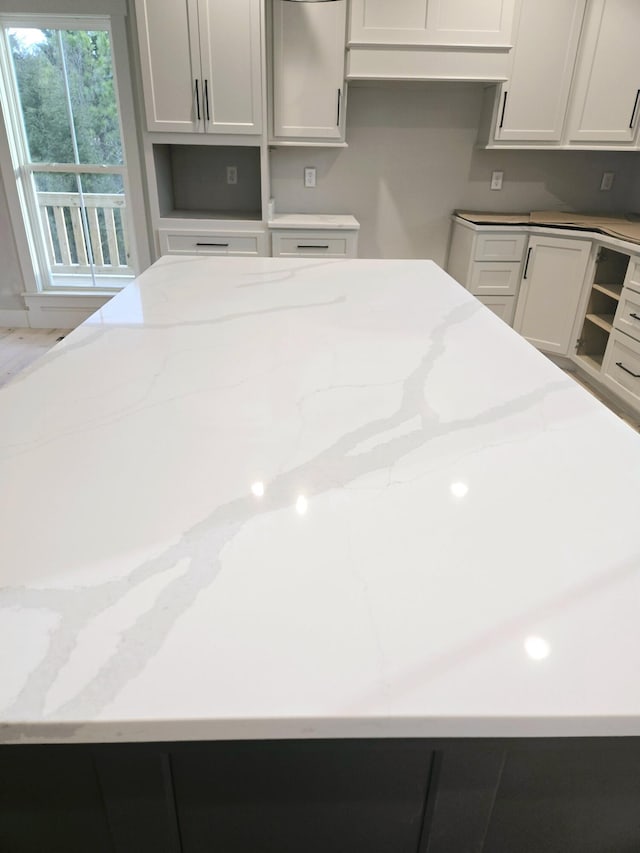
85 240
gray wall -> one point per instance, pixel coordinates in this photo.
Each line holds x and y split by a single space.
412 159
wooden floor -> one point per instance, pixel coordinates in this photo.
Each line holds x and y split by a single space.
20 347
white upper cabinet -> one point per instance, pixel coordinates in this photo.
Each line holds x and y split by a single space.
605 101
308 70
165 29
533 103
200 62
231 65
434 22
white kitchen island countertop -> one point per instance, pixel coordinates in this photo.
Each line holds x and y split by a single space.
283 498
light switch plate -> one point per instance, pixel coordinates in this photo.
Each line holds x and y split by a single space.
310 176
496 180
232 174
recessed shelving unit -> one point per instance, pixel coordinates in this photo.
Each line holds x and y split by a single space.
608 280
193 181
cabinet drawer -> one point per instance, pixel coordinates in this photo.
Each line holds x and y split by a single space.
502 306
207 243
498 278
632 280
622 367
628 314
500 247
313 245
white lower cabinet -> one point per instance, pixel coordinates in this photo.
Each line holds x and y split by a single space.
627 317
488 262
552 284
314 235
577 297
310 245
502 306
212 242
494 279
621 367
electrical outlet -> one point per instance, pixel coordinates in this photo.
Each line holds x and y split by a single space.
232 174
496 180
607 180
310 176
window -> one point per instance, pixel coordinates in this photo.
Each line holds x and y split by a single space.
63 120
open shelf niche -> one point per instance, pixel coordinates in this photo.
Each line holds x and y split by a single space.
608 280
192 182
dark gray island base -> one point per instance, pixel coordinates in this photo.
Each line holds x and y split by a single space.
323 796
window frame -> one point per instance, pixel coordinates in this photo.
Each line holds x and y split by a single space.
21 202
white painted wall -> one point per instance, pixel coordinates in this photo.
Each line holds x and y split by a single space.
11 284
412 159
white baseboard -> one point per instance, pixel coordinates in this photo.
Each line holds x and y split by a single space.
61 311
13 318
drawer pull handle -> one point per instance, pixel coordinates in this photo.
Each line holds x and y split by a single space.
197 101
526 266
626 370
339 99
635 107
635 316
219 245
302 246
206 98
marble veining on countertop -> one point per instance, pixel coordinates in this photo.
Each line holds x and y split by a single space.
257 498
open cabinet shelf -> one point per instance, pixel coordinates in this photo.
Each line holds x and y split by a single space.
193 182
608 280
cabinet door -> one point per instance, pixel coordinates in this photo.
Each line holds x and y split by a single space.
534 100
308 69
470 22
170 64
231 62
381 22
607 87
552 283
452 22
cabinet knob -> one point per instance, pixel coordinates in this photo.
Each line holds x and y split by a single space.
504 106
